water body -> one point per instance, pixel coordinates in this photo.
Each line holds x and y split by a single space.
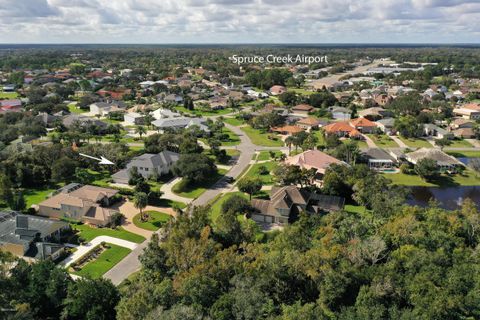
450 198
465 161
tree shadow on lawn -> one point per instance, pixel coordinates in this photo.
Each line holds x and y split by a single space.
444 181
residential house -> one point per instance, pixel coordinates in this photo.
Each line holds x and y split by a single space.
114 94
461 123
287 130
469 111
8 88
342 129
104 108
302 109
277 90
134 118
443 160
373 114
162 113
147 165
88 204
171 98
179 123
386 125
48 119
464 133
378 159
340 113
315 159
82 120
382 99
31 236
432 130
363 125
10 105
309 123
286 203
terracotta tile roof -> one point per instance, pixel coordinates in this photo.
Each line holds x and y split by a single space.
362 122
302 107
309 121
288 129
472 106
313 159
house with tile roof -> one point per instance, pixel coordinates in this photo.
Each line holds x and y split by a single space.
287 130
302 109
342 129
309 123
286 203
363 125
315 159
85 203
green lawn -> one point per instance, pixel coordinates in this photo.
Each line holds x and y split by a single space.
88 233
217 205
233 121
232 152
468 178
193 191
205 112
361 144
261 138
8 95
460 144
233 139
267 179
35 196
73 108
416 142
383 141
265 155
155 220
104 262
355 209
301 91
465 154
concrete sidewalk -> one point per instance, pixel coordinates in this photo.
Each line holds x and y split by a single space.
83 249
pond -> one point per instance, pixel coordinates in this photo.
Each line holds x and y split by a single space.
465 160
450 198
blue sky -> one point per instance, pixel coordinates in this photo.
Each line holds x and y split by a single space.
239 21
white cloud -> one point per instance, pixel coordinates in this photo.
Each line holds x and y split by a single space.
152 21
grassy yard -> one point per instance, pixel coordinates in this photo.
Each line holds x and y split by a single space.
468 178
460 144
8 95
383 141
416 142
104 262
233 139
465 154
361 144
193 191
217 205
35 196
72 107
265 155
261 138
155 220
233 121
301 91
267 179
205 112
88 233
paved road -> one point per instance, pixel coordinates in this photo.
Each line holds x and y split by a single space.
247 149
127 266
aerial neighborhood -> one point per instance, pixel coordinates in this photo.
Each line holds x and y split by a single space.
103 161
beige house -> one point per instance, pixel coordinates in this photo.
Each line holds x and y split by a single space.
315 159
88 204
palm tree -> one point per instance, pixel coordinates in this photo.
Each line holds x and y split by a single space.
289 141
140 201
141 131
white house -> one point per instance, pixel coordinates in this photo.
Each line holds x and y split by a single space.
134 118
